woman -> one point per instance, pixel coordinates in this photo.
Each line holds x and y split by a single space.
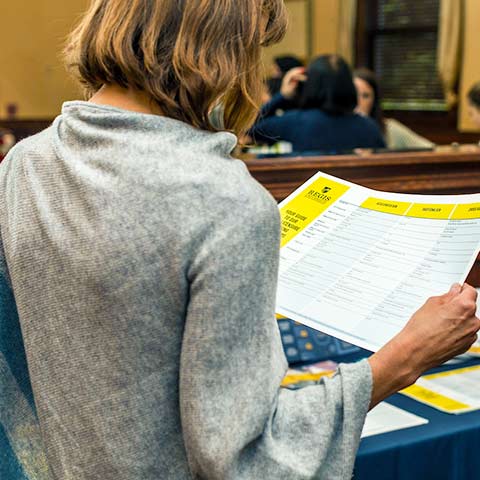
143 263
397 135
324 120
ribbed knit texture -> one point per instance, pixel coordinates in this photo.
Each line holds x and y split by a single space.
143 261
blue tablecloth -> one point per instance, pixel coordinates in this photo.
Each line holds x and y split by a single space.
447 448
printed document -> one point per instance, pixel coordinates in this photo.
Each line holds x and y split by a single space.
356 263
454 391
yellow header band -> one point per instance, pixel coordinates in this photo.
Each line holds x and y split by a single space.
433 211
465 212
452 372
435 399
386 206
308 205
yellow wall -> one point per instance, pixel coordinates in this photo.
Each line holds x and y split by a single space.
33 32
471 61
296 41
33 77
325 26
313 29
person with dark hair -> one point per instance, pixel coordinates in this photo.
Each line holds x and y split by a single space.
397 136
324 119
281 65
7 141
473 97
139 265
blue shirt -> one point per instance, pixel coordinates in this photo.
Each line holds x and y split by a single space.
315 130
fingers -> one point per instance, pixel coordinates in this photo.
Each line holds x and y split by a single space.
455 289
465 289
475 325
466 301
296 72
459 301
295 75
471 291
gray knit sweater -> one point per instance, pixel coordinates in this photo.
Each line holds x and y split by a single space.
143 262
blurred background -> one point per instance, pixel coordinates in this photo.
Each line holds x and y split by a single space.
425 53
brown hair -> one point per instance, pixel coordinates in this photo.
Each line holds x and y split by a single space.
187 55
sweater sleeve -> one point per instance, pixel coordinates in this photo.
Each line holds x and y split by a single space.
400 136
21 447
237 421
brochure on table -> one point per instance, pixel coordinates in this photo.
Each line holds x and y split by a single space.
454 391
356 263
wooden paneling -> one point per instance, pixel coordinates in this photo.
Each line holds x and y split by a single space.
298 40
470 73
25 128
33 76
424 173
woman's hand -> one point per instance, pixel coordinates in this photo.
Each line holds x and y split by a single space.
291 80
442 328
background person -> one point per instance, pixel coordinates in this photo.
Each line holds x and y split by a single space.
7 141
280 67
397 136
324 120
474 103
152 345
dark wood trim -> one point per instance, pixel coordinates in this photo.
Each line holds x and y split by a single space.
415 172
474 276
25 128
366 24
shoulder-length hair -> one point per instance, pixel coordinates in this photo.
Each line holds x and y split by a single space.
329 86
187 55
376 113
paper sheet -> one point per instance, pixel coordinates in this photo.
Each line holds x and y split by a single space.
388 418
357 263
455 391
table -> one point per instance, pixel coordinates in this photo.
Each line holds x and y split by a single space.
447 448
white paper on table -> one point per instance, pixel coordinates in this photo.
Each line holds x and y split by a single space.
388 418
353 271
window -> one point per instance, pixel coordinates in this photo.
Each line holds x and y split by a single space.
400 45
